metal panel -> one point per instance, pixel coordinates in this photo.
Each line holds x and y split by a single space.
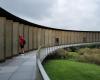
21 29
72 37
60 37
39 37
90 36
99 36
46 38
93 36
96 37
26 28
85 37
35 37
15 38
2 25
43 37
50 37
63 37
57 38
79 39
53 37
8 39
81 36
30 38
68 37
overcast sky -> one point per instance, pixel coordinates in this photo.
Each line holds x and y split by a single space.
65 14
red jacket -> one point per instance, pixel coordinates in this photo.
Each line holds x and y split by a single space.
21 40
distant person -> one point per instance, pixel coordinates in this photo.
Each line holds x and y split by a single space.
22 43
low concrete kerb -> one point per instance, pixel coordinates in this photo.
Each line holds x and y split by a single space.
41 69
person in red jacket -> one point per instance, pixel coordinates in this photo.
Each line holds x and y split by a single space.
22 43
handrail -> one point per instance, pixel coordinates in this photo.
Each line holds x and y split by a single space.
39 65
41 54
42 71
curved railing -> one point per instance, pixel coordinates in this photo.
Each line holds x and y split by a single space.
42 53
41 74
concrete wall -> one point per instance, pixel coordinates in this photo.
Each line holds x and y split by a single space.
85 34
72 34
50 38
8 39
66 38
39 36
90 36
46 38
26 36
60 38
42 37
30 38
70 37
2 26
82 37
78 37
93 37
21 29
15 38
35 36
53 37
62 41
98 36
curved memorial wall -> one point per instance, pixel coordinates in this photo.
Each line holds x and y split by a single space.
35 35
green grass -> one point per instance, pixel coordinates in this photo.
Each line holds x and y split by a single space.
71 70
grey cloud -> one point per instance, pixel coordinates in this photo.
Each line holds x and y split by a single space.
35 9
66 14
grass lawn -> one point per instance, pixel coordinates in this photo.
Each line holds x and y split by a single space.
71 70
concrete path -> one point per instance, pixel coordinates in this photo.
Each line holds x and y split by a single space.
22 67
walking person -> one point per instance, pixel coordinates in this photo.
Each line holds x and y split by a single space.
22 43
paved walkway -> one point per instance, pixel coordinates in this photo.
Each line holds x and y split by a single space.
22 67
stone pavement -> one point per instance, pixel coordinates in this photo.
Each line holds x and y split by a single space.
22 67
